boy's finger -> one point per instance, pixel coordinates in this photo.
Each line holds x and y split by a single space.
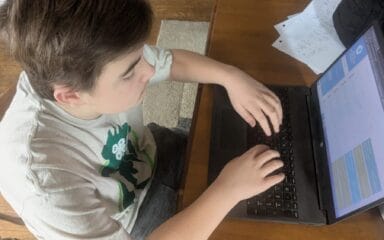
263 121
274 179
277 106
258 149
267 110
266 156
246 116
273 95
274 119
271 166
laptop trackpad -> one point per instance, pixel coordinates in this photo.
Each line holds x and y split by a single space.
233 130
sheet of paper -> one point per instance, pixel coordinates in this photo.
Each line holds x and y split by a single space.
280 27
293 15
310 36
321 11
282 45
324 10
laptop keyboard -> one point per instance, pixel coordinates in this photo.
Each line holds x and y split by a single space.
280 200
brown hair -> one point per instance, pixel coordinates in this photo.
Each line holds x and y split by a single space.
68 42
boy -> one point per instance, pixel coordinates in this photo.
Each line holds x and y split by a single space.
77 162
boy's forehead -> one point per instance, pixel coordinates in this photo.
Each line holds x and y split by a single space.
131 54
124 60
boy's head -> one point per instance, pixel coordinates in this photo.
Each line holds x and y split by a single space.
68 42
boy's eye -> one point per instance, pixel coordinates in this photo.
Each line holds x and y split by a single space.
126 78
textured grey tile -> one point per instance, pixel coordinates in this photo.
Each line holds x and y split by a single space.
162 103
188 100
165 102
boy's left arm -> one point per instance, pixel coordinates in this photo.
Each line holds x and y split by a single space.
251 99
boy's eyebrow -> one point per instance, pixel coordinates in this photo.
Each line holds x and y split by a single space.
130 67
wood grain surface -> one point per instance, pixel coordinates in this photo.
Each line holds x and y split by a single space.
242 34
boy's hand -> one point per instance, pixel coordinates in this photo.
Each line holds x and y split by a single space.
249 174
254 102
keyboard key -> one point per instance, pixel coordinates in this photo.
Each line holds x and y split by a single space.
278 196
261 211
273 212
269 204
288 196
278 204
292 214
287 205
278 188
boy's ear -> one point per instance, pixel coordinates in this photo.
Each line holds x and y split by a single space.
66 95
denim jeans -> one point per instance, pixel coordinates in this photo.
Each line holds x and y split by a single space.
160 203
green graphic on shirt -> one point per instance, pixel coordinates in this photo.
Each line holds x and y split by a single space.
120 155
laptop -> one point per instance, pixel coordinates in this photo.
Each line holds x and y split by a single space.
331 141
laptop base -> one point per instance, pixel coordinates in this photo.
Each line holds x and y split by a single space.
230 138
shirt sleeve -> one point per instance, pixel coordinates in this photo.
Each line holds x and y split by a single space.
161 59
71 213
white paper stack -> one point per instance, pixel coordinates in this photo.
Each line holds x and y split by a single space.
310 36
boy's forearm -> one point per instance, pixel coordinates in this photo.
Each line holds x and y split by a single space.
192 67
199 220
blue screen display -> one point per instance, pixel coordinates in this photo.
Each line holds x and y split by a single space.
351 106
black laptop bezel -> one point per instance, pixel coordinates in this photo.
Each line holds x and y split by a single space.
320 146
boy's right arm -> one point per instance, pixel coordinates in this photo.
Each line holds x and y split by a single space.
242 178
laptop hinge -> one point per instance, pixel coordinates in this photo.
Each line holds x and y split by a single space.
314 116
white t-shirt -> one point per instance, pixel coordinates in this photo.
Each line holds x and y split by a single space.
69 178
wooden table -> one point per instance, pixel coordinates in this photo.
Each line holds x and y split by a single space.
241 34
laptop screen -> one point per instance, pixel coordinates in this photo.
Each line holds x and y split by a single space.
352 110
